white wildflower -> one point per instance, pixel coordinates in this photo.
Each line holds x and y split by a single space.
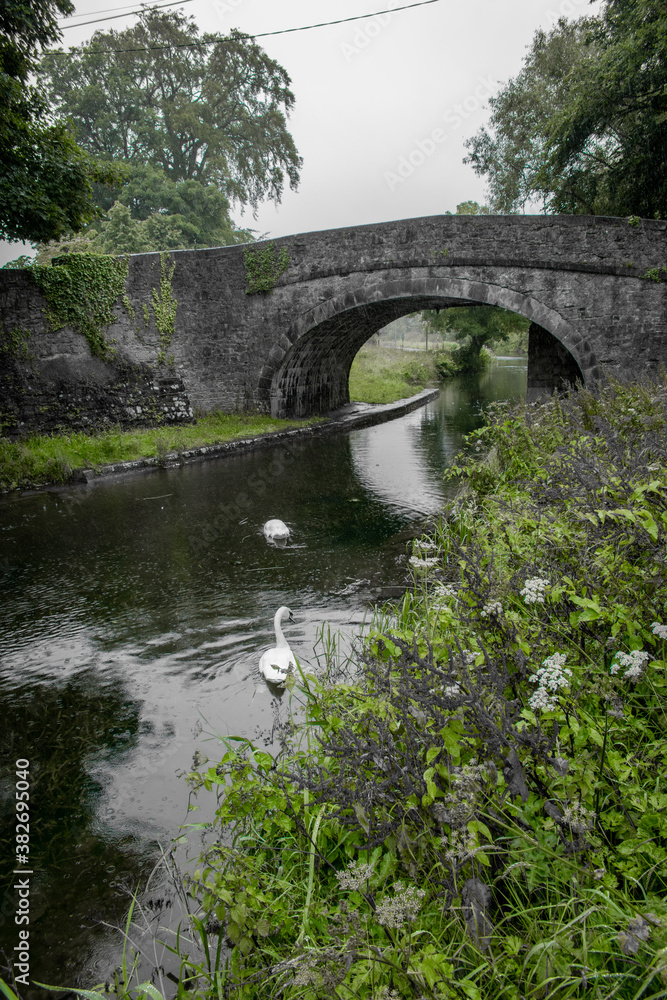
422 565
533 590
452 691
443 590
423 545
491 610
634 661
541 700
577 817
400 908
355 875
550 678
659 630
460 847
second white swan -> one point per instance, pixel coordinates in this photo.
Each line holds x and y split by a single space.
276 662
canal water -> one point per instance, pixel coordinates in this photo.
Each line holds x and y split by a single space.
132 616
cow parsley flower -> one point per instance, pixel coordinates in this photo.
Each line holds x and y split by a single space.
400 908
492 610
423 545
659 630
533 590
355 875
550 678
634 661
578 818
422 565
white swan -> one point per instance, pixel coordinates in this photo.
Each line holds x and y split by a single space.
276 531
275 663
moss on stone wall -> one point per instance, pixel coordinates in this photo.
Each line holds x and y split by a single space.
80 291
263 267
14 343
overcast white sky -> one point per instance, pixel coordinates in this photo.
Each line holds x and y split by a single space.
383 105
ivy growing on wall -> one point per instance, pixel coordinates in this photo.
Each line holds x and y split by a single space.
263 267
80 291
164 309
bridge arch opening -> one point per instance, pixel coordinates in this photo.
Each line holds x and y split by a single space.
308 371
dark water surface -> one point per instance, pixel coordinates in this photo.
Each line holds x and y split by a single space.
132 616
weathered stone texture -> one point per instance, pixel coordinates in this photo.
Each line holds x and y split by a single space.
578 278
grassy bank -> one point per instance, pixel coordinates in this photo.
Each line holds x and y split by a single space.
385 374
474 807
43 459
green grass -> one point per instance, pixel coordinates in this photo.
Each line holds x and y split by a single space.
42 459
385 374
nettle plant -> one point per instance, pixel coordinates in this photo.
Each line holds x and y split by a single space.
476 809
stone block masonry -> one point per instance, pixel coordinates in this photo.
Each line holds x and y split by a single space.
49 381
588 285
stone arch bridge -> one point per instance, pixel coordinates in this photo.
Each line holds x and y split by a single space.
588 285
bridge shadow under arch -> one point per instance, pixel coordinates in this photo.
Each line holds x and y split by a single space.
308 370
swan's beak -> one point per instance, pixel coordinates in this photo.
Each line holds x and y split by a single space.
291 618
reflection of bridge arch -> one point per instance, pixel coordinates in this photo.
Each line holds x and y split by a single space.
308 370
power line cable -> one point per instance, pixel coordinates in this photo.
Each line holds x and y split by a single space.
114 17
263 34
106 10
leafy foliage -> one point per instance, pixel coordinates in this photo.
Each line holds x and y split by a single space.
164 308
81 291
205 108
582 127
610 138
513 151
46 179
153 213
471 208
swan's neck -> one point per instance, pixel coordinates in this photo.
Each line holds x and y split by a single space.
280 638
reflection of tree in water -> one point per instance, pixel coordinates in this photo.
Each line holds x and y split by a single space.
62 730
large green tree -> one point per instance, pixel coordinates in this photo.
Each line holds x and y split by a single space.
200 108
45 178
583 127
475 327
151 213
513 151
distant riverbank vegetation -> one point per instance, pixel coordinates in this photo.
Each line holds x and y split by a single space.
473 806
424 349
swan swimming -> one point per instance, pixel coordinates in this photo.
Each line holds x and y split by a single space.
275 663
276 531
